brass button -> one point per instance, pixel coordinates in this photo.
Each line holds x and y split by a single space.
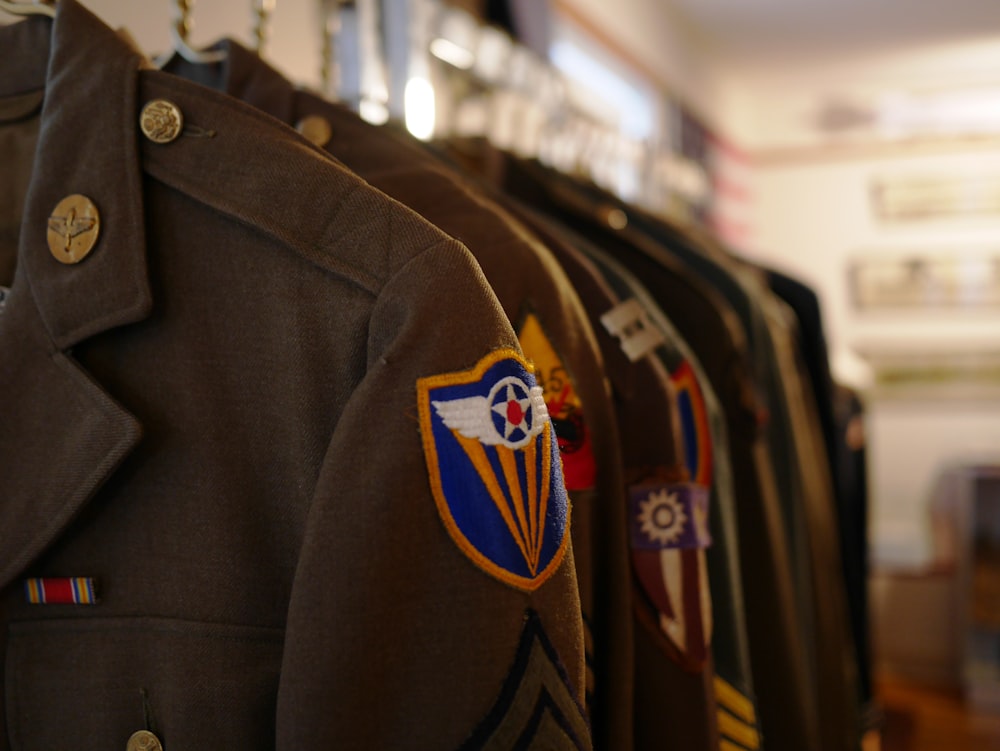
143 740
161 121
613 217
316 128
73 228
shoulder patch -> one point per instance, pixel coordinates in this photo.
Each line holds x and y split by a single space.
494 468
564 405
668 531
536 708
697 433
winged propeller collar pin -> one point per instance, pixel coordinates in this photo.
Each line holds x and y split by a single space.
73 228
70 226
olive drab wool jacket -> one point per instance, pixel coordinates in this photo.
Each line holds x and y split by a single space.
553 331
246 440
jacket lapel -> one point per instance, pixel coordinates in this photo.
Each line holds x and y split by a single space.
61 435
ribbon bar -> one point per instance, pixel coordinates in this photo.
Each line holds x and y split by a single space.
70 590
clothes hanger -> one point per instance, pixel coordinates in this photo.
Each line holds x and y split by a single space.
36 8
179 31
262 10
329 70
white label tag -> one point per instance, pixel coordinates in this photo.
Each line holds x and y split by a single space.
630 323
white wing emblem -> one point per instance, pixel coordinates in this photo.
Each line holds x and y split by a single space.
510 416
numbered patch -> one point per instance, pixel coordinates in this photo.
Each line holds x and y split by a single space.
494 468
564 406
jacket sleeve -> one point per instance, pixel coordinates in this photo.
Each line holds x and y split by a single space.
404 629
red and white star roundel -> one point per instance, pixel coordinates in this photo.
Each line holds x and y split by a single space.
510 415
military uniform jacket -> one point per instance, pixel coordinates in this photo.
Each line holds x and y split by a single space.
707 460
220 425
851 514
674 670
785 694
805 482
553 331
809 505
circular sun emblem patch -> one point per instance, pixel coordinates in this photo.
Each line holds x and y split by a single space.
661 517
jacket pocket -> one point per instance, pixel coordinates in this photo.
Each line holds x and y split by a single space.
91 683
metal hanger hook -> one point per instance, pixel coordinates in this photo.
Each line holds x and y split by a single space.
262 27
179 31
35 8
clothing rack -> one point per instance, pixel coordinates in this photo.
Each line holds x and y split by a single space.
477 80
355 486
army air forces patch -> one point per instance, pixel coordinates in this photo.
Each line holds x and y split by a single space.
494 468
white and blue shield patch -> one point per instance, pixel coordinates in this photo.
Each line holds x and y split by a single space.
669 532
494 468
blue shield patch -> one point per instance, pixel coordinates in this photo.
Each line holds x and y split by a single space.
494 468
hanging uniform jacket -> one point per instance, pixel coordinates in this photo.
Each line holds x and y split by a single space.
552 328
850 504
240 508
793 411
675 694
849 445
669 518
836 659
804 486
779 649
706 262
605 285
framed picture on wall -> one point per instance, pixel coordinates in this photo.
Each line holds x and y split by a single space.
926 197
968 281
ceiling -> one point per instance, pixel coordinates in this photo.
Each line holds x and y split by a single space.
754 29
806 71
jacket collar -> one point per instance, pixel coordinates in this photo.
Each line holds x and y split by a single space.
61 436
244 76
88 144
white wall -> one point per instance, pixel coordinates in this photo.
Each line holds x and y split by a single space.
812 216
777 101
912 443
815 214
